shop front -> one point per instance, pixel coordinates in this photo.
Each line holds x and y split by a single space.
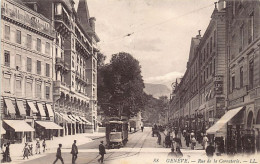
17 131
46 129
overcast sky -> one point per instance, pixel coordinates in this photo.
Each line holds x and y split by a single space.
161 32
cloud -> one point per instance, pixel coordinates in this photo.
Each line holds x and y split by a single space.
169 77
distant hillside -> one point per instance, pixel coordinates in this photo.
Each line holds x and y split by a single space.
157 90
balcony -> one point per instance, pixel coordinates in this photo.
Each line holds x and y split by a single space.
62 25
25 19
59 87
237 93
59 64
81 79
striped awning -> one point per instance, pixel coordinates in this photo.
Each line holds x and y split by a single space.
41 109
50 111
32 107
10 106
21 107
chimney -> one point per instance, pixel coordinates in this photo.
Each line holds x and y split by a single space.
92 23
221 5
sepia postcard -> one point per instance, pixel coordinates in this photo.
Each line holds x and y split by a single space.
130 81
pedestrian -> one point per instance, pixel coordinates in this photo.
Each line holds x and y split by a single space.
159 138
31 150
172 154
26 151
184 133
3 152
193 143
210 150
58 155
192 134
187 139
74 152
7 153
178 152
205 141
102 152
44 145
142 128
37 147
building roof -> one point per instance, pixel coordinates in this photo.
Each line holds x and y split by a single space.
83 14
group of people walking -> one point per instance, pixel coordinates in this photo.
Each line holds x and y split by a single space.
28 148
74 152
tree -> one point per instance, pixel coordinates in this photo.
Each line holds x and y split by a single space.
121 86
100 60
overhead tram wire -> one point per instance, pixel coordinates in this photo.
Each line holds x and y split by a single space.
158 24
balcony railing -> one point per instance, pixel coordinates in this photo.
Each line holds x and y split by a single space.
27 19
63 19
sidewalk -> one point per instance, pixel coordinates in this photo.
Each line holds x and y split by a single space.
17 154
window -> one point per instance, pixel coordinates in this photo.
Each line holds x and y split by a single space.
39 45
207 72
210 69
214 66
251 28
241 38
6 83
207 50
47 92
29 64
28 89
215 38
18 37
251 74
29 41
210 44
241 77
58 9
204 76
18 61
7 58
38 90
7 32
233 83
38 67
47 48
47 70
18 88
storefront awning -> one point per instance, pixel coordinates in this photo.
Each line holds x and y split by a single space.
21 107
223 120
3 130
85 120
78 119
66 118
19 125
41 109
50 111
48 125
72 118
32 107
10 106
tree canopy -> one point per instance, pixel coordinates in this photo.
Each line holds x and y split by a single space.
120 86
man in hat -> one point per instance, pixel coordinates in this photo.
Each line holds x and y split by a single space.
74 151
102 151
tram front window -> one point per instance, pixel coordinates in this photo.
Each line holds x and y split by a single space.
116 127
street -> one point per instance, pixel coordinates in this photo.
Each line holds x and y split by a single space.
141 147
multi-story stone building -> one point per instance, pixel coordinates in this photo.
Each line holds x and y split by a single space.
200 94
75 63
243 44
26 72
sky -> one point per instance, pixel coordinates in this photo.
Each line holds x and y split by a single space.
160 32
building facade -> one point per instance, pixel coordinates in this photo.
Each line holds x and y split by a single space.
243 72
26 71
49 69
